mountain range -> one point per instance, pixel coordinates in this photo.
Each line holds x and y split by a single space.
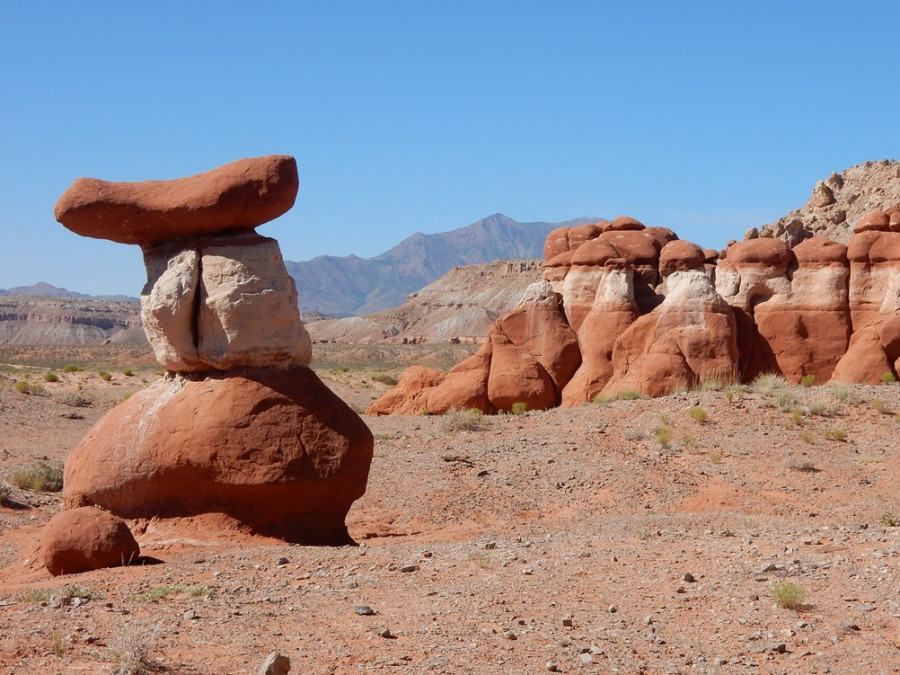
350 285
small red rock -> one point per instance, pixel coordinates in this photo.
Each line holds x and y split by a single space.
86 538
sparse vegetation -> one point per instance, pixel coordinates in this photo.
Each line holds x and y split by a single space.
808 380
65 594
463 420
74 399
880 406
160 592
518 408
800 464
788 595
889 520
715 457
699 415
768 384
51 377
130 650
664 436
689 442
807 436
106 377
384 378
835 434
40 477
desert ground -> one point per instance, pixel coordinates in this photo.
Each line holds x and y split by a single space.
729 529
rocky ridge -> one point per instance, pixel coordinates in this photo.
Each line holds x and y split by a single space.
839 201
460 306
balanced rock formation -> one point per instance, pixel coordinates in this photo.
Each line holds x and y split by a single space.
239 424
653 314
84 539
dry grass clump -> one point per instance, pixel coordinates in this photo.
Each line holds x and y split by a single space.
39 477
768 384
463 420
130 650
160 592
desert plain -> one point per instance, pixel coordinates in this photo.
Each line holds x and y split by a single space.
727 529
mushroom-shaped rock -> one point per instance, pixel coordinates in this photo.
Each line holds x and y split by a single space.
624 223
239 195
876 221
274 449
84 539
679 256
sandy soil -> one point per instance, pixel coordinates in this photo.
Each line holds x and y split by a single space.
586 540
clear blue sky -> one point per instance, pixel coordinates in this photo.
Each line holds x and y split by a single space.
419 115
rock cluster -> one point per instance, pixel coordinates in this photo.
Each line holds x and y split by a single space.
624 307
239 424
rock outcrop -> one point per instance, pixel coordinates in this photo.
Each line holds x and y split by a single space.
239 425
653 314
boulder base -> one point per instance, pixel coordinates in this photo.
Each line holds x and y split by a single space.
274 449
84 539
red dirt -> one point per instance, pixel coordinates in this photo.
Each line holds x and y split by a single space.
561 538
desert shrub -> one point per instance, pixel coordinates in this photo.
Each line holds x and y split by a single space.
389 380
70 368
106 377
518 408
835 434
463 420
715 457
664 436
160 592
699 415
337 370
629 395
808 380
689 442
73 399
788 595
65 594
40 477
32 388
130 649
800 464
817 407
786 400
4 494
127 372
769 383
807 436
889 520
51 377
880 406
888 378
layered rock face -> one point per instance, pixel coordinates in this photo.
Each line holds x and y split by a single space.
239 425
653 314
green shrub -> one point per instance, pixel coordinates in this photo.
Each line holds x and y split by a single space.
127 372
70 368
51 377
880 406
699 415
808 380
33 388
664 436
629 395
788 595
888 378
106 377
519 407
40 477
